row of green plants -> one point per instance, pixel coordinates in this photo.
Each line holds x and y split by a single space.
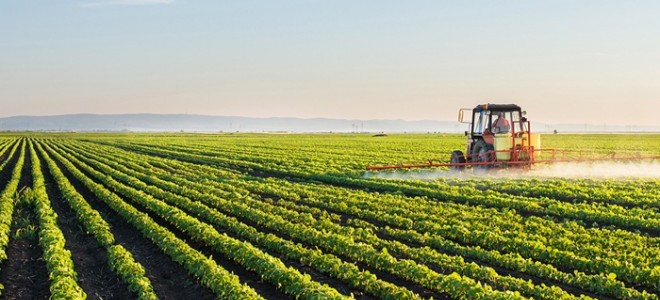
530 245
605 285
268 267
594 283
450 264
63 277
633 194
530 237
629 219
342 245
7 198
120 260
224 284
323 262
352 153
402 223
201 192
337 152
311 203
4 146
573 231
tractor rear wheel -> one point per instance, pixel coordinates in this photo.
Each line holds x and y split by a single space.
457 157
481 153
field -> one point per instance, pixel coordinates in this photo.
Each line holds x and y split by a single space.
295 216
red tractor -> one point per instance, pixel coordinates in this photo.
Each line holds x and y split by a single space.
500 136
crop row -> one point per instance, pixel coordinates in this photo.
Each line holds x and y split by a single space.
341 245
7 201
334 152
607 283
634 219
63 277
576 190
530 237
250 257
525 245
120 260
323 262
418 254
211 275
644 219
599 284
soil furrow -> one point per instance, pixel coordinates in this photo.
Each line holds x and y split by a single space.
24 274
169 279
89 258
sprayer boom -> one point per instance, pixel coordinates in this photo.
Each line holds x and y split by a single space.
544 156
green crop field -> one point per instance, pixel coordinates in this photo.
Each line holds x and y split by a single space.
296 216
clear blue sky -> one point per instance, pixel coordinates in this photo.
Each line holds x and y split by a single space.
563 61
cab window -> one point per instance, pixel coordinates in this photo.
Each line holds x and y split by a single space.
480 121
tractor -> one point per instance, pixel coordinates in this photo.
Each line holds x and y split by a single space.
500 136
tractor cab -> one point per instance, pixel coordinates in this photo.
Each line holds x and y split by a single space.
491 119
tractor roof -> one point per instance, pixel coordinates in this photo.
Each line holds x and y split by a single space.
497 107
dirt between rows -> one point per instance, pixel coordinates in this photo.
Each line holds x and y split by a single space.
417 288
253 279
89 258
24 273
515 273
169 279
502 271
272 199
325 279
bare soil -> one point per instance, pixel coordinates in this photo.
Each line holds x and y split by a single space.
24 273
89 258
169 279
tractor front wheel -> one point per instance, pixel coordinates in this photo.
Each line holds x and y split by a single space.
457 157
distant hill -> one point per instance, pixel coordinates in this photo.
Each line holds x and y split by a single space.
201 123
164 122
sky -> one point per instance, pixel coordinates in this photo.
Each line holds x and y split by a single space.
595 62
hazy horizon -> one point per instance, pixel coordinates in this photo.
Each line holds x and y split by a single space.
603 124
564 62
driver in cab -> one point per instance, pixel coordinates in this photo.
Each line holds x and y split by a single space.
501 124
